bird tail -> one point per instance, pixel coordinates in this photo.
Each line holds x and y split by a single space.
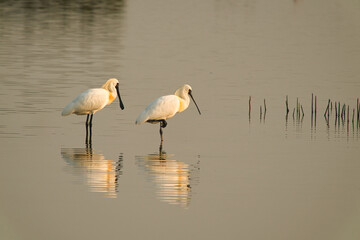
141 118
69 109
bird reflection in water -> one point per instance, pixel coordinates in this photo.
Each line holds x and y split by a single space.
102 175
173 179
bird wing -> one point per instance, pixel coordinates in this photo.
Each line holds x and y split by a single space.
88 102
162 108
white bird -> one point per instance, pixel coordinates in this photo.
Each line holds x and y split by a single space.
166 107
93 100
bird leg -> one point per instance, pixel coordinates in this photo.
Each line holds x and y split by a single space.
90 128
86 125
160 150
161 134
163 124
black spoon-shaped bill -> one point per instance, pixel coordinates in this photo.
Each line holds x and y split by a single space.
118 93
194 101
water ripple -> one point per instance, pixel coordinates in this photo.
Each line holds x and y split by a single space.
174 180
101 174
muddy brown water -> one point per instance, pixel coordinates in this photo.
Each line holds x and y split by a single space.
220 175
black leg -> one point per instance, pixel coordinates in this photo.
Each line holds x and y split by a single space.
90 127
160 150
87 125
161 133
163 123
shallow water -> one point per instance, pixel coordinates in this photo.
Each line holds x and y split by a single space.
221 174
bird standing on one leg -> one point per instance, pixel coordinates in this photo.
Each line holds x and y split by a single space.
166 107
93 100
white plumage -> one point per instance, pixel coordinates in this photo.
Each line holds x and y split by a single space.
166 107
93 100
161 108
88 102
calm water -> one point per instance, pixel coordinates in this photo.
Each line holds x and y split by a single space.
220 175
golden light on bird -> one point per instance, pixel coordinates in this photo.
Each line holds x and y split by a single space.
93 100
166 107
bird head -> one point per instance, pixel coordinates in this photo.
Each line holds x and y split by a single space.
111 85
186 91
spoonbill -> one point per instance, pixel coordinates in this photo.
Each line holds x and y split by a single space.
166 107
93 100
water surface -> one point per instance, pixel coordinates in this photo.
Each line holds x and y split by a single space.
218 175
